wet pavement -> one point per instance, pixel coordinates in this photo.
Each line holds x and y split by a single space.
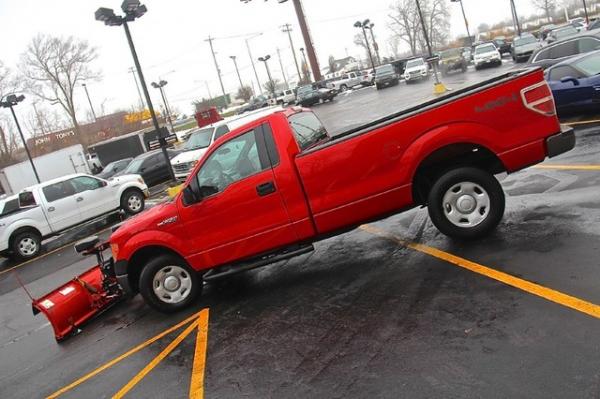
365 315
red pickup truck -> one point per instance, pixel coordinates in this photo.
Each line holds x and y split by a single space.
269 190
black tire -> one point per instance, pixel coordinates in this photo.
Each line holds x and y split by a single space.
25 245
157 267
343 87
447 184
377 87
132 201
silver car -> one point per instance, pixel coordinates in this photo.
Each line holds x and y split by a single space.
523 46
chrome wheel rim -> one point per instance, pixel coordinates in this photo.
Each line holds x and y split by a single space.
28 246
134 202
466 204
172 284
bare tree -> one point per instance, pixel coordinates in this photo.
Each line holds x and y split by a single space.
8 143
54 67
393 43
244 93
406 24
359 40
547 6
271 85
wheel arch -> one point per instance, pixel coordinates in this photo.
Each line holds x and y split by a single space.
141 256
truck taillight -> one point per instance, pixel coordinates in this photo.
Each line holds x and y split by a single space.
539 98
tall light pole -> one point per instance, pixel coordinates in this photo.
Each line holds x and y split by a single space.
133 9
587 17
266 59
159 86
462 7
252 60
375 45
287 28
89 101
363 25
305 62
233 58
439 86
310 49
10 101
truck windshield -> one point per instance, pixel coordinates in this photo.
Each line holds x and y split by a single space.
308 129
384 69
199 139
415 62
521 41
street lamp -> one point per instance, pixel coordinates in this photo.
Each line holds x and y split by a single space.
587 17
233 58
10 101
439 87
375 45
462 7
363 25
133 10
89 101
159 86
265 59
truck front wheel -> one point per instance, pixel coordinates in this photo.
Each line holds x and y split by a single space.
132 201
466 203
26 245
168 284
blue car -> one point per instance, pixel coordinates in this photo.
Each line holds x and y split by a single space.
575 84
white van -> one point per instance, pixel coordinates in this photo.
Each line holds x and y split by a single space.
200 139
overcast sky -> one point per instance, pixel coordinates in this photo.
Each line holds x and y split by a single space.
170 39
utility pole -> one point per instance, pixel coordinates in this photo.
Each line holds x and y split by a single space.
282 70
137 86
305 62
252 62
233 57
375 45
212 50
515 16
287 28
462 7
587 17
208 90
310 49
89 101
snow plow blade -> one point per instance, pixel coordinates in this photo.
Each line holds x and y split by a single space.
71 305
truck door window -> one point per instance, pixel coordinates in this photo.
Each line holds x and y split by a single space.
563 50
308 129
56 191
231 162
10 206
85 183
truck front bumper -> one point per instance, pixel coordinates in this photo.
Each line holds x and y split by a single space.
561 142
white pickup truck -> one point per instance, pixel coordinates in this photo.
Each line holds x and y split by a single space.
50 208
347 81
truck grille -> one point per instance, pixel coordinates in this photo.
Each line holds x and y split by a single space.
182 167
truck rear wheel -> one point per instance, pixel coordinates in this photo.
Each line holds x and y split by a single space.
132 201
26 245
466 203
168 284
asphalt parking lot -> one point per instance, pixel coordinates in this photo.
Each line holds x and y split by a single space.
393 309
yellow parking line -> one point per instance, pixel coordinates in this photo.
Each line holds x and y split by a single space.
197 380
154 362
123 356
47 254
527 286
567 167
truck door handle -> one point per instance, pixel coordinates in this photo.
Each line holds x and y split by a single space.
265 188
79 199
51 209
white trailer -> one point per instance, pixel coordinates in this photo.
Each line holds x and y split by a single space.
69 160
